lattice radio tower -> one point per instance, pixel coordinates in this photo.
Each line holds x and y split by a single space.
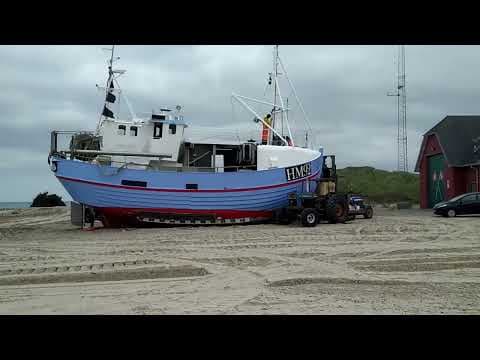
401 94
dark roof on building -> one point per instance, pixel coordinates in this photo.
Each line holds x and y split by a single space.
459 138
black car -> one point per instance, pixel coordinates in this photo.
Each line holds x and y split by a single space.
460 205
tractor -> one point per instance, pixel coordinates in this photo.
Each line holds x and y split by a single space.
324 203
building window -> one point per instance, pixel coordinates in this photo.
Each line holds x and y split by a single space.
172 129
157 131
122 129
133 131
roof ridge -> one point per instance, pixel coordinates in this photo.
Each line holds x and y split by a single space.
456 136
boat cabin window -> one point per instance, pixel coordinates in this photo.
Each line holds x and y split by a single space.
122 129
157 131
133 131
158 117
172 129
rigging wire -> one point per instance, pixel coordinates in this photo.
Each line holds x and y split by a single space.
233 110
237 132
307 121
119 100
265 90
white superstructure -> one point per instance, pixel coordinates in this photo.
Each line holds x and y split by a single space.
157 141
161 134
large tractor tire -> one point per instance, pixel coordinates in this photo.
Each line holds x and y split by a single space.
309 217
337 209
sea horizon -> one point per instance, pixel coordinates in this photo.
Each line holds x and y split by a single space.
14 204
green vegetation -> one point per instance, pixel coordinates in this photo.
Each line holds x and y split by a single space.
45 200
379 185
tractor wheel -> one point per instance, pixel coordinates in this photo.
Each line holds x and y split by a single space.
330 209
368 213
309 217
337 210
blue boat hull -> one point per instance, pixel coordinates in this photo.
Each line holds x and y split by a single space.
228 195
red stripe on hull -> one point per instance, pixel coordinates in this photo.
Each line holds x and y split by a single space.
121 213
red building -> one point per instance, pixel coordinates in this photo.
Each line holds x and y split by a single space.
449 160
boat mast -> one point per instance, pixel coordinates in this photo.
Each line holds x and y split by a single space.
110 89
107 86
283 109
275 75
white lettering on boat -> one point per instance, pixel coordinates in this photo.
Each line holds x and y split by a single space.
298 172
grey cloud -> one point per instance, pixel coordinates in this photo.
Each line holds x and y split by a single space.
343 89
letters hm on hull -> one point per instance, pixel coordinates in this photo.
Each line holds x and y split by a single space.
151 167
298 172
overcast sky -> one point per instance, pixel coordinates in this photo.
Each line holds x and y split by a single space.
343 90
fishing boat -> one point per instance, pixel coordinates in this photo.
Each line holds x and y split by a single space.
145 169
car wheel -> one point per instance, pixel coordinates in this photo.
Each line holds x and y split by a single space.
309 217
368 213
451 213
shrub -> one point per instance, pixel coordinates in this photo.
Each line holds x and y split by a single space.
45 200
379 185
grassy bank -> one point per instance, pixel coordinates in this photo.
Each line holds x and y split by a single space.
379 185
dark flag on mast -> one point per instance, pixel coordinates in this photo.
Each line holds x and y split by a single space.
109 99
107 112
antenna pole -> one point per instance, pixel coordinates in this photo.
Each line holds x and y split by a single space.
403 111
401 94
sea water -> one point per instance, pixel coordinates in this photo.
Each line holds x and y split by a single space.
15 205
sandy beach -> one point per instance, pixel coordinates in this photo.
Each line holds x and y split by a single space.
399 262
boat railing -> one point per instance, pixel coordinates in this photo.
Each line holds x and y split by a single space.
104 158
75 153
125 164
